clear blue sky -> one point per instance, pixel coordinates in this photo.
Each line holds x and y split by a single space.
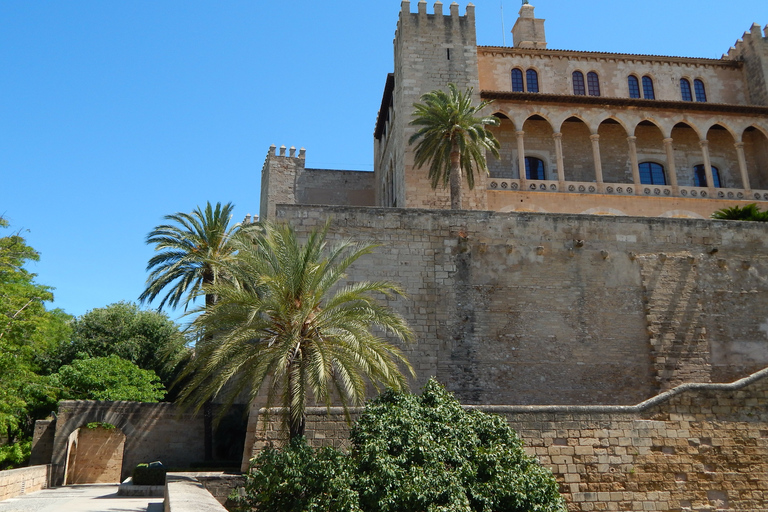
113 114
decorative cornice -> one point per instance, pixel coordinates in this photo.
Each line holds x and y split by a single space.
575 54
603 101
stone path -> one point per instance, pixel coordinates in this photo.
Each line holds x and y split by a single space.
81 498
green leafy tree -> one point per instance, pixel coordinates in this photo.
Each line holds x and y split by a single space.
149 339
27 329
191 250
285 321
108 378
409 454
452 138
749 212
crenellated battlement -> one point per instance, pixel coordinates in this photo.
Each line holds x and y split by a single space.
437 15
756 34
291 152
752 50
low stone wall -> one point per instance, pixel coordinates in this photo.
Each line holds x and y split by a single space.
695 447
15 482
184 493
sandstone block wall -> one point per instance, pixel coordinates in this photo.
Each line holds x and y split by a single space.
15 482
525 308
285 180
96 456
153 431
42 442
701 447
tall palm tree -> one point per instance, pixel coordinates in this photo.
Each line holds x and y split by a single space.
191 252
452 138
286 322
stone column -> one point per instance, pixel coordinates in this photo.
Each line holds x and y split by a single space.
595 138
707 166
521 157
632 141
560 166
742 168
671 170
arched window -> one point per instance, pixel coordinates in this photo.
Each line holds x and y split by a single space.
532 80
701 94
648 88
685 89
534 168
634 86
593 84
700 177
517 80
578 83
652 173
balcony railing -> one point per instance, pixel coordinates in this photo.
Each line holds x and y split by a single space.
625 189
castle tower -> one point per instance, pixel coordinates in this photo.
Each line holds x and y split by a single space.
528 31
752 49
431 51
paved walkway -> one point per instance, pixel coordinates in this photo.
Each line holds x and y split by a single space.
81 498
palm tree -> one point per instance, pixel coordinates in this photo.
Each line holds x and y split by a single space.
749 212
191 252
286 322
452 138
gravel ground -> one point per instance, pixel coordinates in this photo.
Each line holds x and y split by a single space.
81 498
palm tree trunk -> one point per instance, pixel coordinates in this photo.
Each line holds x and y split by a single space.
296 424
455 178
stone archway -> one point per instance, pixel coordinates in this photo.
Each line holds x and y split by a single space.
94 455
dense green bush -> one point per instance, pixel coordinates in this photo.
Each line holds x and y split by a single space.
409 453
149 474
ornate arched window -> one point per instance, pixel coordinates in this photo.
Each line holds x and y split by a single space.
517 80
652 173
534 168
698 87
700 176
593 84
578 83
634 86
648 93
685 90
532 80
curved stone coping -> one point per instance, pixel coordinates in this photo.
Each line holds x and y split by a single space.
627 409
184 493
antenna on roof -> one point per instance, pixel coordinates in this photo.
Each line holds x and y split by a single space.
503 31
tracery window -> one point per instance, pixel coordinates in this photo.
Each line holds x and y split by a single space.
532 80
517 80
578 83
648 93
652 173
593 84
634 86
701 93
685 89
700 176
534 168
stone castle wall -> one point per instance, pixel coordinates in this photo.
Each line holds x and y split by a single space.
153 431
285 180
566 309
17 482
697 447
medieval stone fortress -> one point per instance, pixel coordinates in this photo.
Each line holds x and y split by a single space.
627 346
584 294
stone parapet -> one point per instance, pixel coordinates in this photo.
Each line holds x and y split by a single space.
16 482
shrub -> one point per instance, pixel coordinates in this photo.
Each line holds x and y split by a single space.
298 478
149 474
409 453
